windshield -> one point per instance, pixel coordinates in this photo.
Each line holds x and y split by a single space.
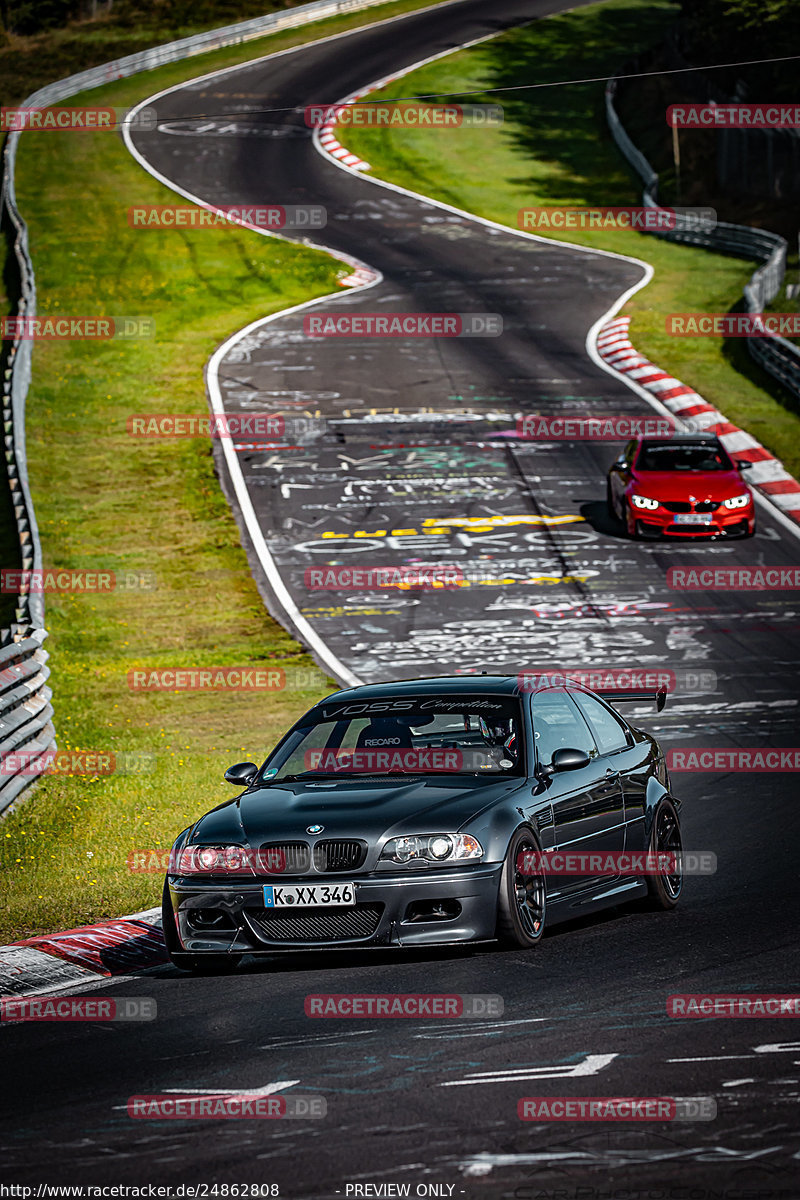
676 456
478 736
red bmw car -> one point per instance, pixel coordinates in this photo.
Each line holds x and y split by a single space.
679 486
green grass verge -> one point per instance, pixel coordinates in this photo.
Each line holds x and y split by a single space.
554 148
105 501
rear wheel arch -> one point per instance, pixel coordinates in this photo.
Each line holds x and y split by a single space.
664 888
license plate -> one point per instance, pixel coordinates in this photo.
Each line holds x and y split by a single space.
314 895
694 518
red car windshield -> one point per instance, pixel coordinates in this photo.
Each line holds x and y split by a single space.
674 456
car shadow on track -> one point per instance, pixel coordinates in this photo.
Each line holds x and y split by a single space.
349 959
596 514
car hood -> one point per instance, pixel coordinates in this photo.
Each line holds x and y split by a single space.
359 810
689 485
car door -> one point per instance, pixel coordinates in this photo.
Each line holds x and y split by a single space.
626 757
587 803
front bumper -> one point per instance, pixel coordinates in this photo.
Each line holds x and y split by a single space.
392 909
723 524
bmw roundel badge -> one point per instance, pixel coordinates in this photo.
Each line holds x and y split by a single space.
315 829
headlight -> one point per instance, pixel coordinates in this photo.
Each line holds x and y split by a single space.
436 847
212 860
643 502
737 501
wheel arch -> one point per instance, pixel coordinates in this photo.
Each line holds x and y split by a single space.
656 792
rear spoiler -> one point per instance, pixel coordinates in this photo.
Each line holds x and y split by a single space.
635 696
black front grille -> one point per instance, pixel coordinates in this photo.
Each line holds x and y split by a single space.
284 858
336 855
317 924
683 506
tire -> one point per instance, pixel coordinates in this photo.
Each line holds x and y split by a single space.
663 889
633 533
197 964
521 922
612 512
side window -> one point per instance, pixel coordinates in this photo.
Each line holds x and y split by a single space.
607 727
557 723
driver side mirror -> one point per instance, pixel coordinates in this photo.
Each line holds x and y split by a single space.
241 774
743 464
568 759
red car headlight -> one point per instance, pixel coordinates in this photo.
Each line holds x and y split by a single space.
737 501
643 502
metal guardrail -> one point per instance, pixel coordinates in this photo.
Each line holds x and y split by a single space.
775 354
26 728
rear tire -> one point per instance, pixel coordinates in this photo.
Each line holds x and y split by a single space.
522 899
664 889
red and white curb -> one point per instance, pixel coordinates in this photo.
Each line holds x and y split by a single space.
328 141
768 474
57 961
361 276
